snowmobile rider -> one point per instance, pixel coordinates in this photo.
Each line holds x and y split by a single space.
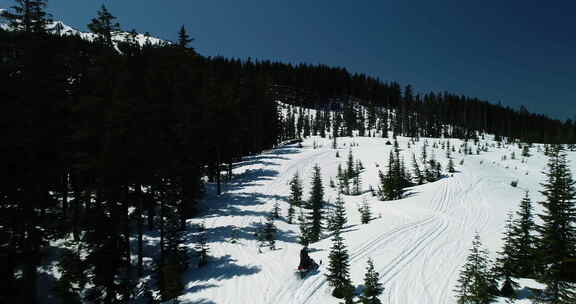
305 260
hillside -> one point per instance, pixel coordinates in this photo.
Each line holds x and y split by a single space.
116 155
418 243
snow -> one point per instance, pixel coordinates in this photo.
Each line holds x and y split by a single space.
67 30
418 244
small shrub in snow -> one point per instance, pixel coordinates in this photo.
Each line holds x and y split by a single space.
514 183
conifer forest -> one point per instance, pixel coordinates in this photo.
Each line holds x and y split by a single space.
119 155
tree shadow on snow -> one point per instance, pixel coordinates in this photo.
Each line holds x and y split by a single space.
192 288
250 178
201 301
220 268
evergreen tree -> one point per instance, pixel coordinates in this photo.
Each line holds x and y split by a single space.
295 198
338 217
526 151
276 210
316 205
270 232
183 38
365 212
173 261
372 286
104 25
557 240
350 172
28 16
424 152
202 245
357 184
304 236
419 178
450 166
476 284
523 230
507 262
338 268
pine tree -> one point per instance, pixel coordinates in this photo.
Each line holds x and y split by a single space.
557 239
476 284
523 230
28 16
104 25
295 198
365 212
338 217
357 184
343 183
338 267
173 260
276 210
290 215
183 38
202 245
270 232
304 236
419 178
372 286
316 205
526 151
507 262
335 144
350 172
450 166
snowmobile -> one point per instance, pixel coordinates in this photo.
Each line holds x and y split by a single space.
307 264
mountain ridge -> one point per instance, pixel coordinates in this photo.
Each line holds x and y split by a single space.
63 29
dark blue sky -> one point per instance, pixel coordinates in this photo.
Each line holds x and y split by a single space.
516 52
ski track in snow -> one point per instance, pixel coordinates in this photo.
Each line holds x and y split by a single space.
418 245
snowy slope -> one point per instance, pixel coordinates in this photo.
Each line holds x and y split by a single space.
418 243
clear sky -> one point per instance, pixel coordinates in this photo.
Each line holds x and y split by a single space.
517 52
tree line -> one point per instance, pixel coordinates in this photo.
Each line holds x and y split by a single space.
106 140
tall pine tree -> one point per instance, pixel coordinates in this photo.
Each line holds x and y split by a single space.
338 275
557 239
104 25
316 205
476 284
28 16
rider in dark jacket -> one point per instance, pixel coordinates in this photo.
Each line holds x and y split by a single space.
305 259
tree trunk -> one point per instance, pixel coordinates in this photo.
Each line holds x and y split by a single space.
65 193
140 224
150 206
162 230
